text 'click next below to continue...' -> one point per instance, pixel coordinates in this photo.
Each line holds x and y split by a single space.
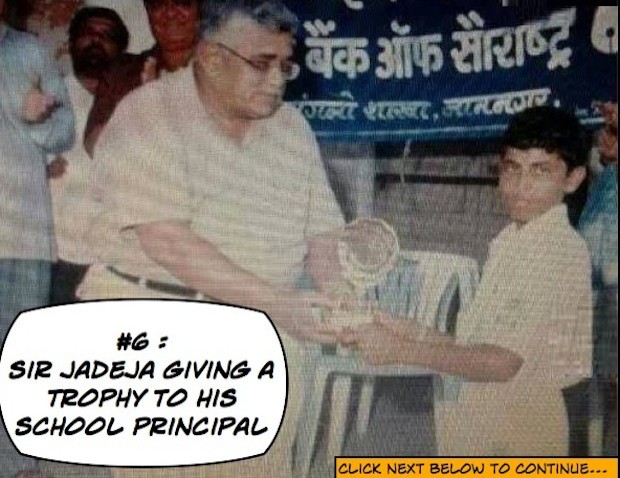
143 383
349 467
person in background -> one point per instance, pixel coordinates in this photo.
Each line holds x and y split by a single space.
98 41
599 226
36 120
527 334
134 17
174 25
103 73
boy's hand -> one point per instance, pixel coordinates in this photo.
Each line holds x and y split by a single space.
377 344
404 329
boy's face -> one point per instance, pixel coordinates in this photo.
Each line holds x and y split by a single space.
532 181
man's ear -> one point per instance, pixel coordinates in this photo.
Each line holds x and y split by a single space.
208 55
574 179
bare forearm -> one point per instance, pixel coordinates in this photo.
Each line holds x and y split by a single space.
200 265
323 263
481 362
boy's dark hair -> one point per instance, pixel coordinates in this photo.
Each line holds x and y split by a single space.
121 34
551 129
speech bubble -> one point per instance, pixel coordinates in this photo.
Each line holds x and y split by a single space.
143 383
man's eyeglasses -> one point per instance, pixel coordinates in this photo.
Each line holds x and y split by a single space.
288 68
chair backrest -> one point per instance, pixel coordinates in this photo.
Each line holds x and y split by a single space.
400 293
429 287
448 281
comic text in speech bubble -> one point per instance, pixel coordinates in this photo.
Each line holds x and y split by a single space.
143 383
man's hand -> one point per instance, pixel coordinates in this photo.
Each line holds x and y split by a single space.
149 70
295 311
37 106
57 168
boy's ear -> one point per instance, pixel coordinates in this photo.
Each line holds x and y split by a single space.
574 179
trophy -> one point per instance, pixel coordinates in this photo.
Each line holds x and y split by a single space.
367 251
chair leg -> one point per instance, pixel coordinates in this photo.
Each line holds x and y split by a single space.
341 393
365 402
595 437
309 422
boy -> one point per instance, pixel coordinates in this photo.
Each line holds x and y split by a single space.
527 334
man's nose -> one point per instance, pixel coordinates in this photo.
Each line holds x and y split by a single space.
97 37
276 78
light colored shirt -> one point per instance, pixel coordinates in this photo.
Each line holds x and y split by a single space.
534 298
165 159
72 206
26 225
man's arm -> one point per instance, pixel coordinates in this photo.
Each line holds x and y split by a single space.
200 265
325 223
322 262
46 110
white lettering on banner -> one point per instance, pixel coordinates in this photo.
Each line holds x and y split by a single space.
480 50
471 43
397 110
328 110
326 55
495 104
507 103
354 4
400 54
562 20
604 35
358 4
476 49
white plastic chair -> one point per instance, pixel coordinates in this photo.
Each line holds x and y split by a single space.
427 296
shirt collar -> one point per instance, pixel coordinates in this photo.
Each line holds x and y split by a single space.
554 217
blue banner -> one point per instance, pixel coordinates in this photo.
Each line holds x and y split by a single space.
380 70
